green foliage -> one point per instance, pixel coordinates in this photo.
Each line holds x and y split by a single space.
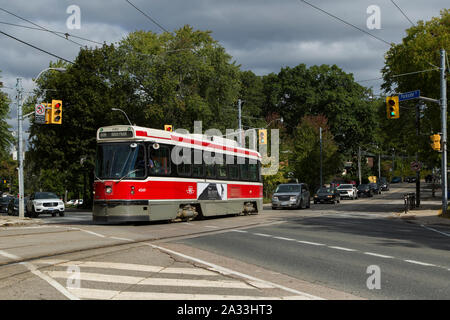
419 50
305 159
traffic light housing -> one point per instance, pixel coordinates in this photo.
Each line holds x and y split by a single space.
392 107
56 112
168 127
436 142
48 108
262 136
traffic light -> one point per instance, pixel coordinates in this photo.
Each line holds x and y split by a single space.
436 142
168 127
392 107
47 112
56 112
262 135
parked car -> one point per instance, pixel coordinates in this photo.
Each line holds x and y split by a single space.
45 202
13 206
375 188
396 180
325 194
4 201
364 189
348 191
384 185
410 179
291 195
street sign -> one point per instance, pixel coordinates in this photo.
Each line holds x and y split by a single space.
409 95
39 113
416 166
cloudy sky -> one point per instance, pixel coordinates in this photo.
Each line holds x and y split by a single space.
261 35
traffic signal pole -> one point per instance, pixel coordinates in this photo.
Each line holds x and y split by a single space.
20 142
444 132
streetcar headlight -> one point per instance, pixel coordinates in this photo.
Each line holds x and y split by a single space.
108 189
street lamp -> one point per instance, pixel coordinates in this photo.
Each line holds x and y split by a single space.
20 121
117 109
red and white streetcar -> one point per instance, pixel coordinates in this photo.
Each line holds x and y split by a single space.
137 178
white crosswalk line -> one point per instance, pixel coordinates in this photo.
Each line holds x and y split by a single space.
85 276
128 266
87 293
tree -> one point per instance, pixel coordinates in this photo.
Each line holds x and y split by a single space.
305 159
418 51
326 90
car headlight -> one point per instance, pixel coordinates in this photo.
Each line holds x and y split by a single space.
60 203
329 196
293 198
316 196
38 203
275 198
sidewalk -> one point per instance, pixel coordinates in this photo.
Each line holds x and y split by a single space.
12 221
429 211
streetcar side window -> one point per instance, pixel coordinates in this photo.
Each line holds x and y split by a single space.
198 170
253 172
221 171
244 169
210 171
159 160
185 169
233 170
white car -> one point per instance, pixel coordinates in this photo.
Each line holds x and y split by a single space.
348 191
44 202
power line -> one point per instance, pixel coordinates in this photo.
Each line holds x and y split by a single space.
347 23
148 17
51 31
404 14
17 16
33 46
400 75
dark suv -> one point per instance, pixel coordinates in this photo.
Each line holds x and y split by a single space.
291 195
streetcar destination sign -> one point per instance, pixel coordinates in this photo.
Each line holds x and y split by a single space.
116 134
409 95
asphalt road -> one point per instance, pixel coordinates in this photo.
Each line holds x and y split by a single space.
334 245
321 252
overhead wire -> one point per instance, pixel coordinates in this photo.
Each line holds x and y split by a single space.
43 28
404 14
148 17
347 23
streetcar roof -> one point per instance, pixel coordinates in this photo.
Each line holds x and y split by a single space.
199 141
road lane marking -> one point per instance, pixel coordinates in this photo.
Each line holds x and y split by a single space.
311 243
262 235
378 255
421 263
212 227
237 230
85 293
342 248
286 239
124 239
227 271
440 232
34 270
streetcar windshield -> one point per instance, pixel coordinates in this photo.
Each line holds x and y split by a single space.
120 161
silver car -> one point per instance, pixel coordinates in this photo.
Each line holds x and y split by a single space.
291 195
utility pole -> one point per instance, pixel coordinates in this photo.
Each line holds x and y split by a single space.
417 156
359 164
321 175
444 132
19 91
240 122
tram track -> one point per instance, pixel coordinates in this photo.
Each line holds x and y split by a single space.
130 242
